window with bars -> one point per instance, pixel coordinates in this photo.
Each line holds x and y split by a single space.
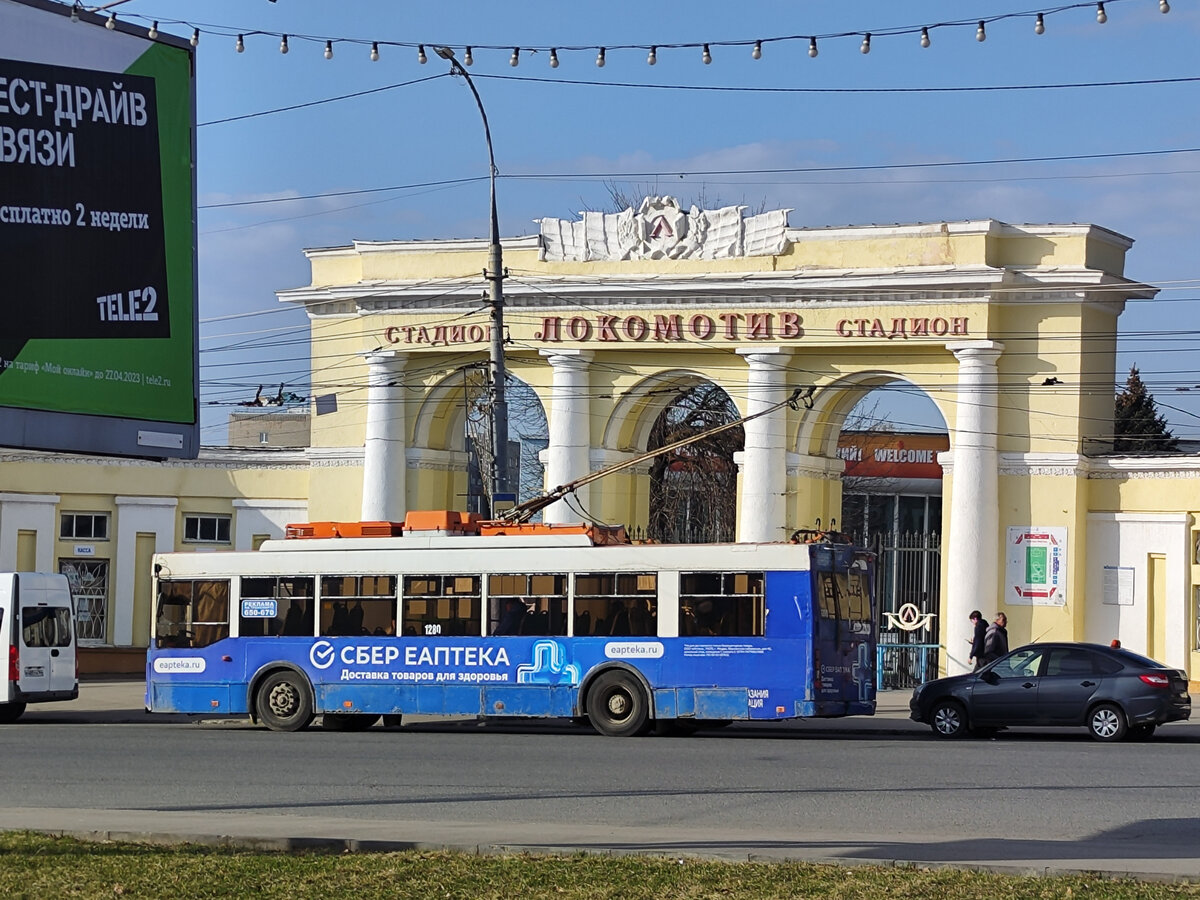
88 579
1196 618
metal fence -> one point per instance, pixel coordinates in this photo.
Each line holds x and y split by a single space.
904 666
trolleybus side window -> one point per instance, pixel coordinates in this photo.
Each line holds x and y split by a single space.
527 604
621 604
722 603
191 613
276 605
441 605
358 604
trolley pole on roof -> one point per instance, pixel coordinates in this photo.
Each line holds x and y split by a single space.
495 276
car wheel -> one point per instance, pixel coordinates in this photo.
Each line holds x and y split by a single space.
617 705
285 701
948 719
1107 723
1141 732
10 712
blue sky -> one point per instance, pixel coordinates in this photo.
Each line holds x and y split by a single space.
785 111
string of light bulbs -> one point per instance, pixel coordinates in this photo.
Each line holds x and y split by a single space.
924 33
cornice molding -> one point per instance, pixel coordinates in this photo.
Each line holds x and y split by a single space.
1137 467
1074 465
44 499
437 460
1054 465
288 459
334 457
810 466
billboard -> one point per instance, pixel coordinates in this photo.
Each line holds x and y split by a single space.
98 312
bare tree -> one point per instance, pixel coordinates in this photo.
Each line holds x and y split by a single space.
693 489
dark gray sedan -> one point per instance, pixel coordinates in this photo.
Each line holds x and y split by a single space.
1111 691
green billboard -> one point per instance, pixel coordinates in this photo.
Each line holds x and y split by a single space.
97 236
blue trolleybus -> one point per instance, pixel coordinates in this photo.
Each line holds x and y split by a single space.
447 616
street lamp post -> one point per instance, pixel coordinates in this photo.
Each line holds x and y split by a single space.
495 276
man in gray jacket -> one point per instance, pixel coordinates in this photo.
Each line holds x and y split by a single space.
995 640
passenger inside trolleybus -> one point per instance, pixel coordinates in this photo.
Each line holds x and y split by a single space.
515 612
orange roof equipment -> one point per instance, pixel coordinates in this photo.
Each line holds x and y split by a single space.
453 522
343 529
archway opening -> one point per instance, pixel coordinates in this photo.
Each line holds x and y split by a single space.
528 435
693 489
892 503
889 442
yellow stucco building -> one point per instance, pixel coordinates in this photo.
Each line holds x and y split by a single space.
1010 330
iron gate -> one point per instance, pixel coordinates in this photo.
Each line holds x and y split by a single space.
908 588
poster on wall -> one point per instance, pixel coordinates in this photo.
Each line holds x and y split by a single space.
1036 566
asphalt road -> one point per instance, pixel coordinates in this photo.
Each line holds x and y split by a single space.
877 789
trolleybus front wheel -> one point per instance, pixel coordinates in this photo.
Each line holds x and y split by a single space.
284 702
617 705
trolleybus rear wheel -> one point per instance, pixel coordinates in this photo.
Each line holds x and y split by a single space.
284 702
617 705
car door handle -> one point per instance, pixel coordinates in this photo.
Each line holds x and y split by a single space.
1087 684
1028 684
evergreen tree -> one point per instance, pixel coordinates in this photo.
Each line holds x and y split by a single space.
1138 425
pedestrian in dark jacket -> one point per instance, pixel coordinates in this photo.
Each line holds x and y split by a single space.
995 640
977 639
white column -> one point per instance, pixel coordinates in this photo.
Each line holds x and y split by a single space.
973 553
384 475
763 510
144 515
569 447
28 512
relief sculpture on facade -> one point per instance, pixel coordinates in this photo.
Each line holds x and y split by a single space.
660 229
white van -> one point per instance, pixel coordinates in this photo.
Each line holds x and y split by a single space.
37 625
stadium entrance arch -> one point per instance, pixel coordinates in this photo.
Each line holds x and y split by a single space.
1010 330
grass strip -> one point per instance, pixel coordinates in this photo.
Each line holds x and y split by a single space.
40 866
